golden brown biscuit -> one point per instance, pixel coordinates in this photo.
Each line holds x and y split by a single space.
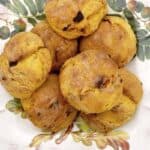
61 48
109 120
24 64
132 86
90 82
47 108
115 37
74 18
124 110
22 45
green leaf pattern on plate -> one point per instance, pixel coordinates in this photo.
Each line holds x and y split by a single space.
139 6
147 51
32 7
140 53
40 5
4 2
117 5
30 10
20 7
32 21
41 17
15 106
4 32
141 33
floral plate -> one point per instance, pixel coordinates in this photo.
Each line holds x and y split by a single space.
17 133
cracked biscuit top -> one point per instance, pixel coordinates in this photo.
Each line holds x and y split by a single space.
25 64
75 18
90 82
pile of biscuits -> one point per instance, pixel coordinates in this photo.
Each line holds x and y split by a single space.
74 62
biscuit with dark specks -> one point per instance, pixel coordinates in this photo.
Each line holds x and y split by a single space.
114 118
47 108
74 18
115 37
124 110
90 82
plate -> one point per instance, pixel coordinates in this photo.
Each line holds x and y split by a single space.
17 133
